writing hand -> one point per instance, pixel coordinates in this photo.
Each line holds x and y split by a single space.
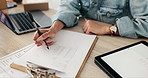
48 35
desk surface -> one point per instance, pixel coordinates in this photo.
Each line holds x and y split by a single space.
10 42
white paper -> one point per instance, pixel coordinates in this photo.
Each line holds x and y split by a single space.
66 55
131 62
6 71
58 57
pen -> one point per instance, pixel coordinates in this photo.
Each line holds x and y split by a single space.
40 33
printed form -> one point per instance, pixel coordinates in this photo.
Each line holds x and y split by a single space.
6 71
57 57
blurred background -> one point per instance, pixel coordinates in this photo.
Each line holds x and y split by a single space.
53 4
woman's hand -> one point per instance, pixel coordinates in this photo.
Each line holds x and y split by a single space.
92 27
48 34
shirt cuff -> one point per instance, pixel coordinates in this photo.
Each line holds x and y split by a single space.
126 27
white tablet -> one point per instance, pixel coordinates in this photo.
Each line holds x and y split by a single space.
130 61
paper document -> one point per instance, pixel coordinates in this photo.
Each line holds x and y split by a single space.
66 55
6 71
56 58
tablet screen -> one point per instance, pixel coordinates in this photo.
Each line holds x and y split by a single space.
129 62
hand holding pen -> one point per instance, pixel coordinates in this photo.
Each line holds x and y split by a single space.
47 35
41 36
39 33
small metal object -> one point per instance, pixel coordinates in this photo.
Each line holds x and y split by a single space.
113 29
108 14
37 72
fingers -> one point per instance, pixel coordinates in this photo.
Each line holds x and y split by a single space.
87 30
50 43
46 36
86 27
48 40
43 43
40 40
39 43
35 37
43 36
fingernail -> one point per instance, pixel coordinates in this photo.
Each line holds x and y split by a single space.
38 45
40 38
48 40
53 42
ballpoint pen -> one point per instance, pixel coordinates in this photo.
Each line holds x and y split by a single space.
34 24
38 31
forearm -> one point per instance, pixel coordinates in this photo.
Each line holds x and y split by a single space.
93 27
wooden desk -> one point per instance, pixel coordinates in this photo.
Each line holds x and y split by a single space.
10 42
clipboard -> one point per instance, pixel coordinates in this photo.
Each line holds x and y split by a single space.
22 68
128 61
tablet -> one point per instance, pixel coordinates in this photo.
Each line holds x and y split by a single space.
129 61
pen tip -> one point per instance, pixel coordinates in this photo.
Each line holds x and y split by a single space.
48 48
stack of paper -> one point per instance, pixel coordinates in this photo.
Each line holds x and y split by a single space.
66 55
6 71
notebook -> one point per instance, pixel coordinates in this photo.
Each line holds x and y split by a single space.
127 62
67 56
21 23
